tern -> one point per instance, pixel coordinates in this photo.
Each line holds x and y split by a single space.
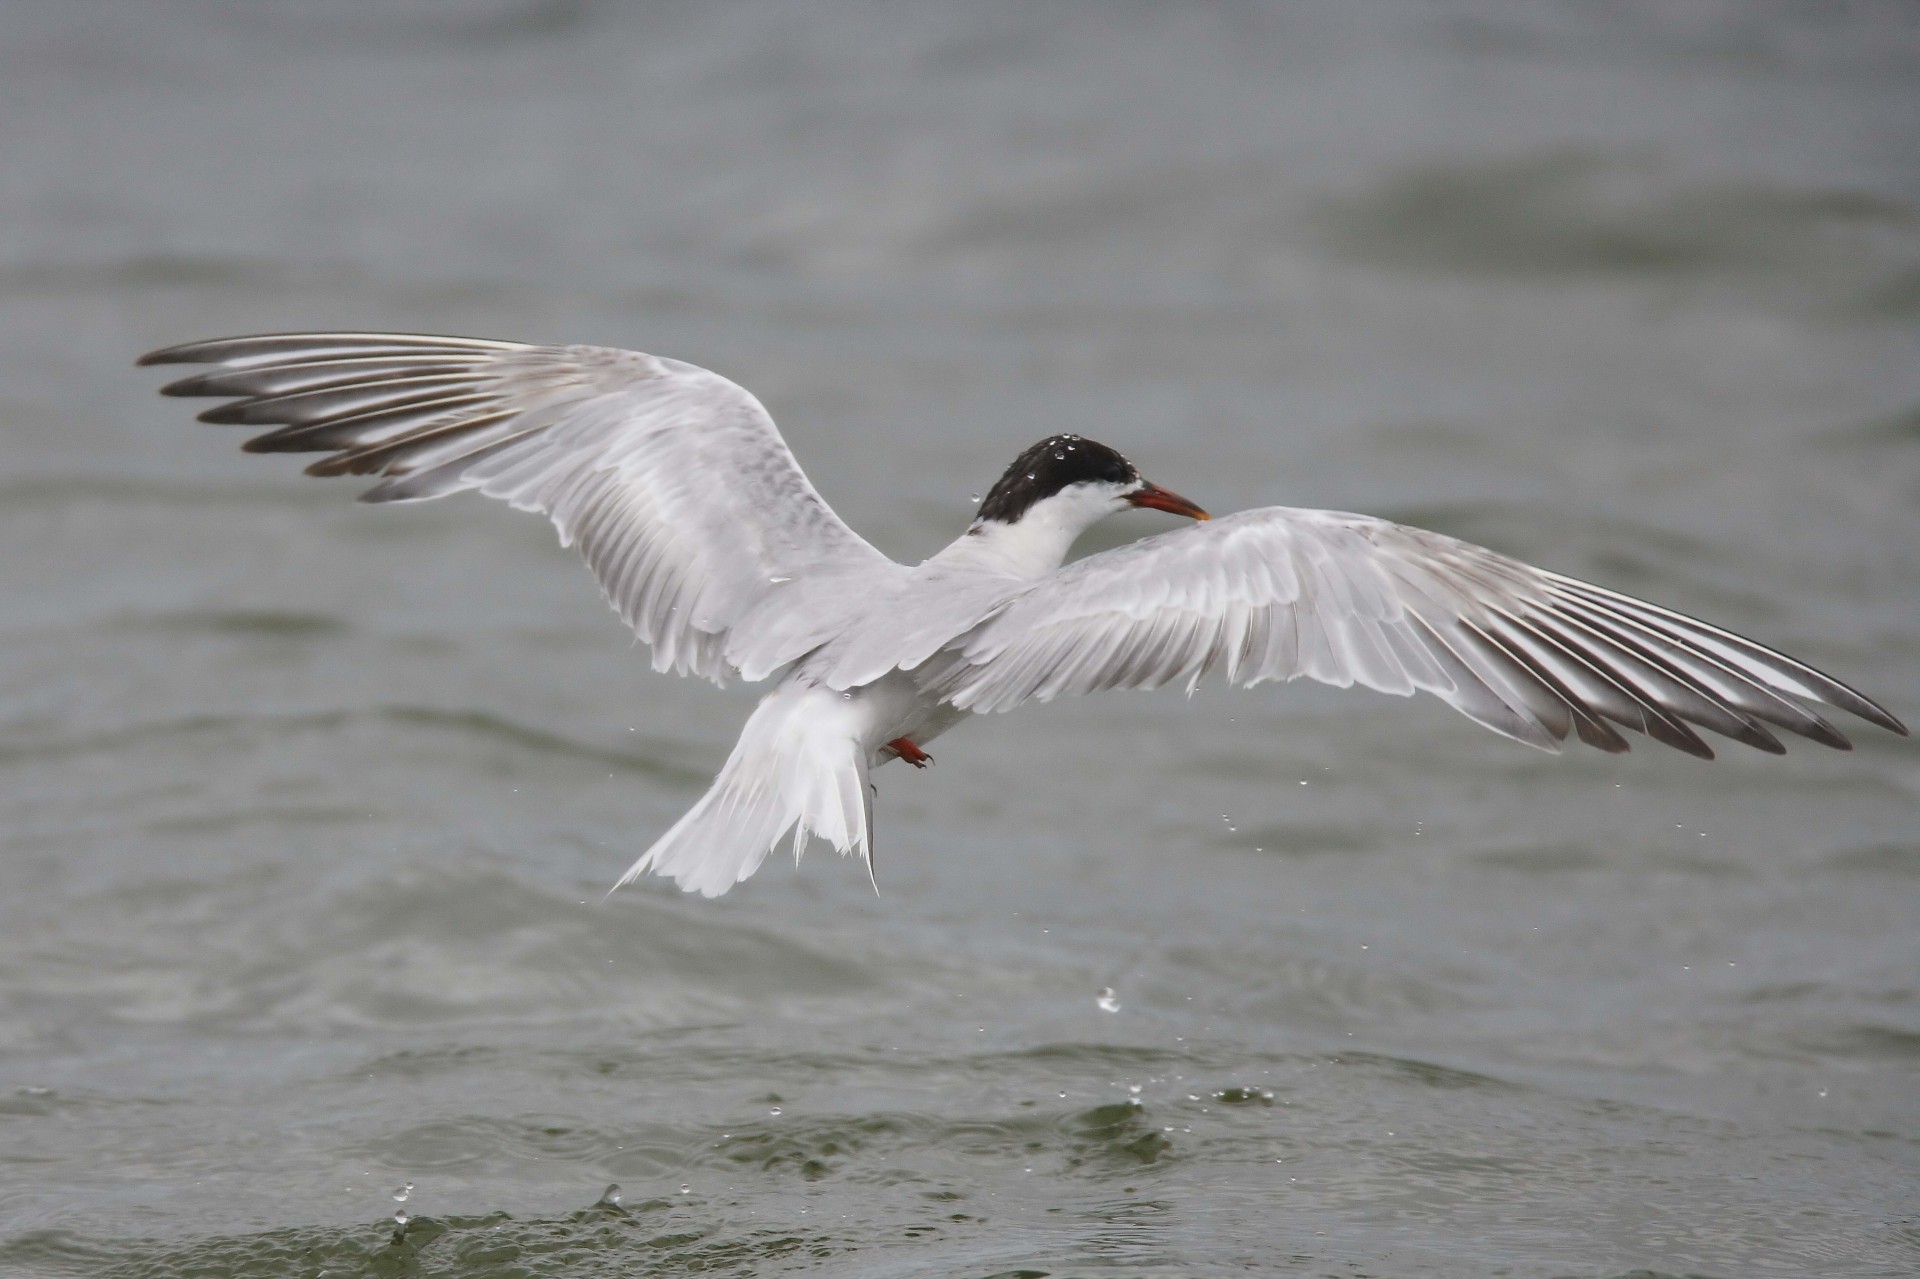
709 540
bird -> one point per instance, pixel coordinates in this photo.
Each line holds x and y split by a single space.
709 540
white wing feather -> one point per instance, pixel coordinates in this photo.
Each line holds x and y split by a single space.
1278 593
674 482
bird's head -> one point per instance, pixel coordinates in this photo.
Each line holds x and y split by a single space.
1069 483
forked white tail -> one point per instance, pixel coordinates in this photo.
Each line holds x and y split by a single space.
799 765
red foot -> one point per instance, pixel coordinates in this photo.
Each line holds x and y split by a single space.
906 750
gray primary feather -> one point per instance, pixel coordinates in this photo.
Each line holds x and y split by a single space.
673 481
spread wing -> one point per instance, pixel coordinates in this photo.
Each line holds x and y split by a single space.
1277 593
673 481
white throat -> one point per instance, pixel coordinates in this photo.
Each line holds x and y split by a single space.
1038 542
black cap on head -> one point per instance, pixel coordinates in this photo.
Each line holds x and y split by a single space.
1048 467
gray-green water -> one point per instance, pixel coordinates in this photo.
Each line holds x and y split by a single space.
307 809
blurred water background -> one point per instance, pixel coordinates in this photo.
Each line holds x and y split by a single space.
308 808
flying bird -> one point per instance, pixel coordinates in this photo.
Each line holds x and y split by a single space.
709 540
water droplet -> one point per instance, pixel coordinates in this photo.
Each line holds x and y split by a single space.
1133 1090
685 1188
1107 1002
774 1111
779 579
400 1195
611 1195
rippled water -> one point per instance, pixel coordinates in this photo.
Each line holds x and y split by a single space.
309 808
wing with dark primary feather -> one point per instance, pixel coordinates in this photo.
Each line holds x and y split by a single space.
1278 593
673 481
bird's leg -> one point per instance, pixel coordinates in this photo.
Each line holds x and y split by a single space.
906 750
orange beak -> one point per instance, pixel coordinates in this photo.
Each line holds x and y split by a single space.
1155 498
